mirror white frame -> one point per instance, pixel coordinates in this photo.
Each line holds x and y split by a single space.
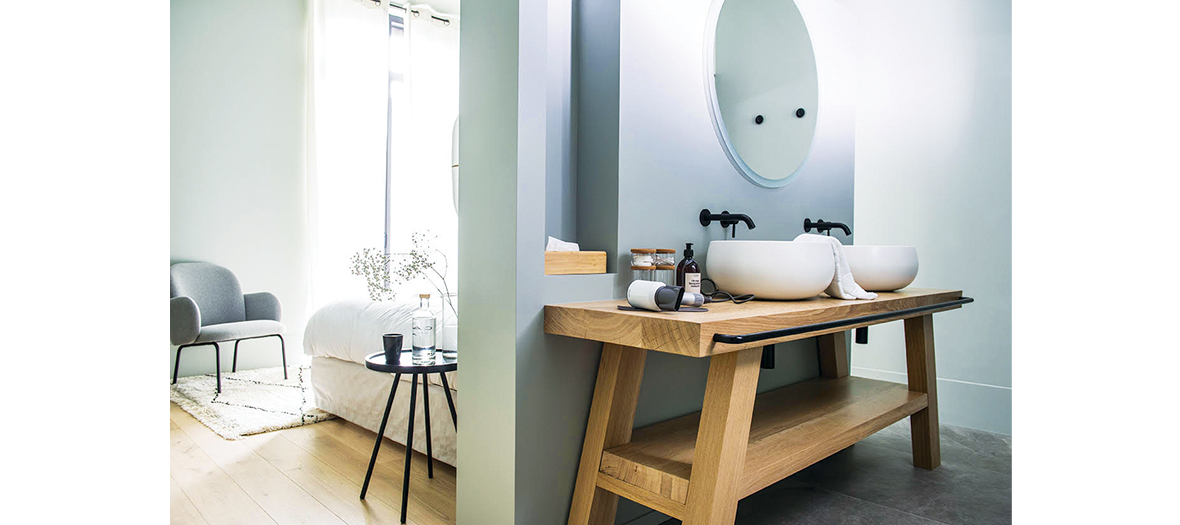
715 109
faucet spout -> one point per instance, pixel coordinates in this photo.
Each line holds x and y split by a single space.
822 226
744 218
726 219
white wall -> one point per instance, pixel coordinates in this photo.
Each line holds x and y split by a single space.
237 180
933 170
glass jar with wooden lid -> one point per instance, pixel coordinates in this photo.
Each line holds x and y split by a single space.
643 264
665 263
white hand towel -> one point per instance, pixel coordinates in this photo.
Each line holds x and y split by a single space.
843 285
558 245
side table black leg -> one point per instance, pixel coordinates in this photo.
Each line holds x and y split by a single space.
426 408
409 446
450 403
380 434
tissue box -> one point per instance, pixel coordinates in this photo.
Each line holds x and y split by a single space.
573 263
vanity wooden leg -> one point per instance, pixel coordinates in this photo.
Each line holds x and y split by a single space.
833 354
722 437
919 353
612 414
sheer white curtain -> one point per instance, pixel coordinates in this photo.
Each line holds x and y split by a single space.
425 103
348 78
425 106
365 59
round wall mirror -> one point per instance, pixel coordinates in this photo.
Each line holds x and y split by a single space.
762 85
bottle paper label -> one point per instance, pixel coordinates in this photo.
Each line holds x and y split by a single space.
692 282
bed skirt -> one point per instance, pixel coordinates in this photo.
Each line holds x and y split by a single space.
357 394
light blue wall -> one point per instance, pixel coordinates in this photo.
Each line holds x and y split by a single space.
542 115
669 165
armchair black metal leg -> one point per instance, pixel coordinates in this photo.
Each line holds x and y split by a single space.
283 349
450 403
409 446
176 370
217 356
380 435
235 367
426 408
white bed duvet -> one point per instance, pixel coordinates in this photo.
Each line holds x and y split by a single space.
351 330
338 337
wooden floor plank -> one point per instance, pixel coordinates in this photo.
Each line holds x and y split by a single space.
285 501
359 439
335 491
211 491
431 500
182 510
325 462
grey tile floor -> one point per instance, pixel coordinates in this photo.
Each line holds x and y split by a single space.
875 482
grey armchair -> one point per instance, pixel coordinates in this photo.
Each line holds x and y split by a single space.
207 307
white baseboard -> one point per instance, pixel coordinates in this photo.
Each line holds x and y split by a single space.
961 403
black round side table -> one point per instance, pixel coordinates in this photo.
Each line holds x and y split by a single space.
406 365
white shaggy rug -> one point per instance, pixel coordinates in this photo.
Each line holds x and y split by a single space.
251 401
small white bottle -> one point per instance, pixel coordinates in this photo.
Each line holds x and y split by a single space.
422 323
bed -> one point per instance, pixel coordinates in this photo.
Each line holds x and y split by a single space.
338 337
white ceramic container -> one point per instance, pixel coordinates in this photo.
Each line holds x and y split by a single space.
882 268
771 269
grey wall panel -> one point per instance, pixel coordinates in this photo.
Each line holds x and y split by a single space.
487 239
596 54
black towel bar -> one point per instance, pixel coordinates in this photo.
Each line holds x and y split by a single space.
784 332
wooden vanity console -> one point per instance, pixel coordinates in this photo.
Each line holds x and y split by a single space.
696 467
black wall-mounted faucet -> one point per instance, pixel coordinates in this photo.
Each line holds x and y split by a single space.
822 226
726 219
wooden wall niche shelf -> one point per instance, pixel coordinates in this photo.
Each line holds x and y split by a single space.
574 263
696 467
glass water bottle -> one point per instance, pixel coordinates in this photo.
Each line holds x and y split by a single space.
422 343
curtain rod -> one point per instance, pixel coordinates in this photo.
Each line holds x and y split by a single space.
415 10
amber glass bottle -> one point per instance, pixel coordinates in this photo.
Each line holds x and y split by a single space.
688 272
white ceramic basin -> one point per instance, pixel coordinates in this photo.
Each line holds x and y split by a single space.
882 268
771 269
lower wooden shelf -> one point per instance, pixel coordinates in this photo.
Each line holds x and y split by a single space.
792 428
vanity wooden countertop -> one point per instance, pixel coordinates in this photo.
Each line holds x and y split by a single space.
691 333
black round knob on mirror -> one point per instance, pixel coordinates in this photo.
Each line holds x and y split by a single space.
758 119
799 112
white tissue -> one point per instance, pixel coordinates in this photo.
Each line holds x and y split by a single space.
558 245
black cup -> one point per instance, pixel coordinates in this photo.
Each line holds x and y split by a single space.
393 347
